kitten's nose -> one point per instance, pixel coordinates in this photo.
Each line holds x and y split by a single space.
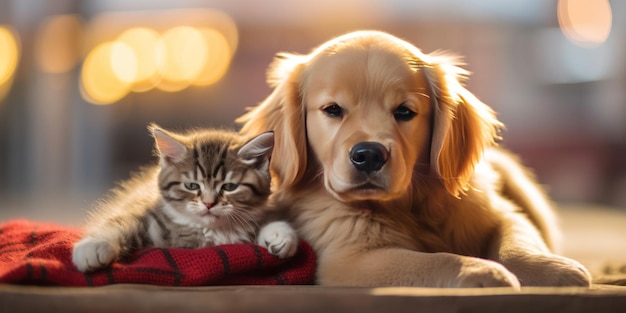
209 205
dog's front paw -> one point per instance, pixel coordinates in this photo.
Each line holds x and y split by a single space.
279 238
91 253
477 273
549 270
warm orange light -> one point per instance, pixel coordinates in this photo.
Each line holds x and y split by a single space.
202 18
585 22
185 55
123 62
218 58
58 43
148 48
9 54
100 84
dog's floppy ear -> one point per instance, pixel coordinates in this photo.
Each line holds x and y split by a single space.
463 126
282 112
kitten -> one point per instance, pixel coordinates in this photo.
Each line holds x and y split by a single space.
209 188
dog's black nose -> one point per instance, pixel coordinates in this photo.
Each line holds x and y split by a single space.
369 156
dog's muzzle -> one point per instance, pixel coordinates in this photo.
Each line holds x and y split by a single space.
368 157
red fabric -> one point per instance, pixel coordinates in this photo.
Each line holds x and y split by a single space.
41 254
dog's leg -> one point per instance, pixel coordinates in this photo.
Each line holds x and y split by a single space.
528 233
521 249
401 267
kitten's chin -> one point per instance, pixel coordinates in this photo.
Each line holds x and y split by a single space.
193 219
211 220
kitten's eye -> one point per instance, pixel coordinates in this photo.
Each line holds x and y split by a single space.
403 114
229 187
192 186
333 110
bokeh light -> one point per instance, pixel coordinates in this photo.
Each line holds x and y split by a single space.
585 22
186 52
9 58
217 60
204 18
58 43
167 50
9 53
123 62
148 48
100 84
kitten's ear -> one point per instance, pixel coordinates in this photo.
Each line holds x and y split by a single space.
170 149
258 150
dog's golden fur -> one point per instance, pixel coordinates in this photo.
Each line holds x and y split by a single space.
447 209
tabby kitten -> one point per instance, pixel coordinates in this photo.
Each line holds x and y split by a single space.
209 188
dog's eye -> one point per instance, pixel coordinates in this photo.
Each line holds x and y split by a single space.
333 110
402 113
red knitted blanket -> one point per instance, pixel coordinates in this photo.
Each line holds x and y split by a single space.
40 254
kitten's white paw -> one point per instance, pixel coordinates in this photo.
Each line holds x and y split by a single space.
279 239
91 253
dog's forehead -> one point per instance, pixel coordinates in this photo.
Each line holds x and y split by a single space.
372 61
367 72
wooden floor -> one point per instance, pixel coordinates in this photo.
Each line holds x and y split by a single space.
152 299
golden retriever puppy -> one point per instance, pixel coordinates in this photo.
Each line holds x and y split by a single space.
387 165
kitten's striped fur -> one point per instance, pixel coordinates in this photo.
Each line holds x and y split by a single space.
209 188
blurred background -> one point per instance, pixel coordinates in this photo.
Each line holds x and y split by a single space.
81 79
